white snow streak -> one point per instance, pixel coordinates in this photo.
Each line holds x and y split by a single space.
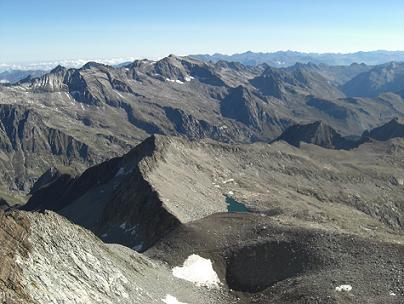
174 80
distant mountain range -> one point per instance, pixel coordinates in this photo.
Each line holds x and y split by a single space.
15 72
77 118
288 58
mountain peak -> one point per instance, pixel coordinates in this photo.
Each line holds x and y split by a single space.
58 69
93 64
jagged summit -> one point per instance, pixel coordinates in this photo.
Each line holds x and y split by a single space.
93 64
58 69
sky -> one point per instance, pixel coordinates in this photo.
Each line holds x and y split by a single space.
48 30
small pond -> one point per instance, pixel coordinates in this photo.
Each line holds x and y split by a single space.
235 206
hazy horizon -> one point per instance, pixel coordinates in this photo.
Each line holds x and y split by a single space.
59 30
78 62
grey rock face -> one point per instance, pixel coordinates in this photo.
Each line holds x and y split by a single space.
46 259
30 146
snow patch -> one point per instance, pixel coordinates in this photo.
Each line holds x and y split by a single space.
345 288
188 78
392 293
169 299
197 270
228 181
174 80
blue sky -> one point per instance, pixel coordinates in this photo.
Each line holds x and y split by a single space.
44 30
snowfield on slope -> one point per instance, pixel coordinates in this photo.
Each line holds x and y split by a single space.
199 271
169 299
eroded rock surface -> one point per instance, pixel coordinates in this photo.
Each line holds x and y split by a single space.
46 259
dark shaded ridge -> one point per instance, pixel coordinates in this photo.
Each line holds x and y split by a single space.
66 189
138 204
132 201
387 131
316 133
